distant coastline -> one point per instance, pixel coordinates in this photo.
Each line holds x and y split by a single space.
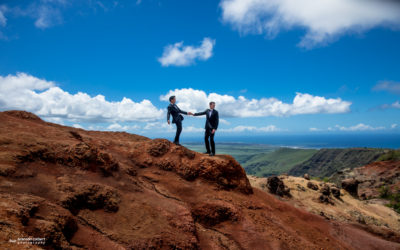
315 141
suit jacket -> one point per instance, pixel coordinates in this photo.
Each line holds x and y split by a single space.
175 112
211 121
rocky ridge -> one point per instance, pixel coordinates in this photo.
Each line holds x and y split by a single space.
80 189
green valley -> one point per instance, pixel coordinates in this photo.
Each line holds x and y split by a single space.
276 162
264 160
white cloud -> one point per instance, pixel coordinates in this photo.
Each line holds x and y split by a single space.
358 127
179 55
119 127
164 127
115 126
241 128
57 120
77 126
47 16
389 86
96 128
192 129
229 106
44 98
396 105
323 20
159 125
223 121
3 19
48 13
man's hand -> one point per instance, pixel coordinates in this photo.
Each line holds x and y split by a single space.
213 131
169 122
190 113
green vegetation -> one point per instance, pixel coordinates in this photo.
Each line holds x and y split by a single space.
276 162
392 155
328 161
241 152
258 159
325 179
393 197
264 160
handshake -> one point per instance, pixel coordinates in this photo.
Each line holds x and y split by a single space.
188 113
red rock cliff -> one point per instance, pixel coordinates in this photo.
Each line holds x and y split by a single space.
109 190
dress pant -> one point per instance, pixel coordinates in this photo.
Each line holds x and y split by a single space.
209 136
178 131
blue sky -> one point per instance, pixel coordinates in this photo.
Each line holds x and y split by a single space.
344 74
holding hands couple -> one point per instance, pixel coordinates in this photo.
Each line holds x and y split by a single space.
212 120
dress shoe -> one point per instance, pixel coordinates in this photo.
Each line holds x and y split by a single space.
212 154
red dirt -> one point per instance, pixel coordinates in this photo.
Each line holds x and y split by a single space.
111 190
373 176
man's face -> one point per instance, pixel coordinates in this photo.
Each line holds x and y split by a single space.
212 105
173 100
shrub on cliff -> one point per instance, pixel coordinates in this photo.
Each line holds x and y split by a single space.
393 197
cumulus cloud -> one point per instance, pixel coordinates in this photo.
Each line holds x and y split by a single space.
179 55
158 125
388 86
57 120
193 129
395 105
26 92
322 20
119 127
162 127
169 128
358 127
241 128
229 106
77 126
223 121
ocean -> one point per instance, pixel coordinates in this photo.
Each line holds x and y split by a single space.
316 141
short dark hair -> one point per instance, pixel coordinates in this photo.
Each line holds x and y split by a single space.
212 103
171 98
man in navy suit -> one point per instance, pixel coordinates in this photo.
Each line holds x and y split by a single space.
177 118
212 120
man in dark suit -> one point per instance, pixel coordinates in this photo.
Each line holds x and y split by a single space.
177 118
212 120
